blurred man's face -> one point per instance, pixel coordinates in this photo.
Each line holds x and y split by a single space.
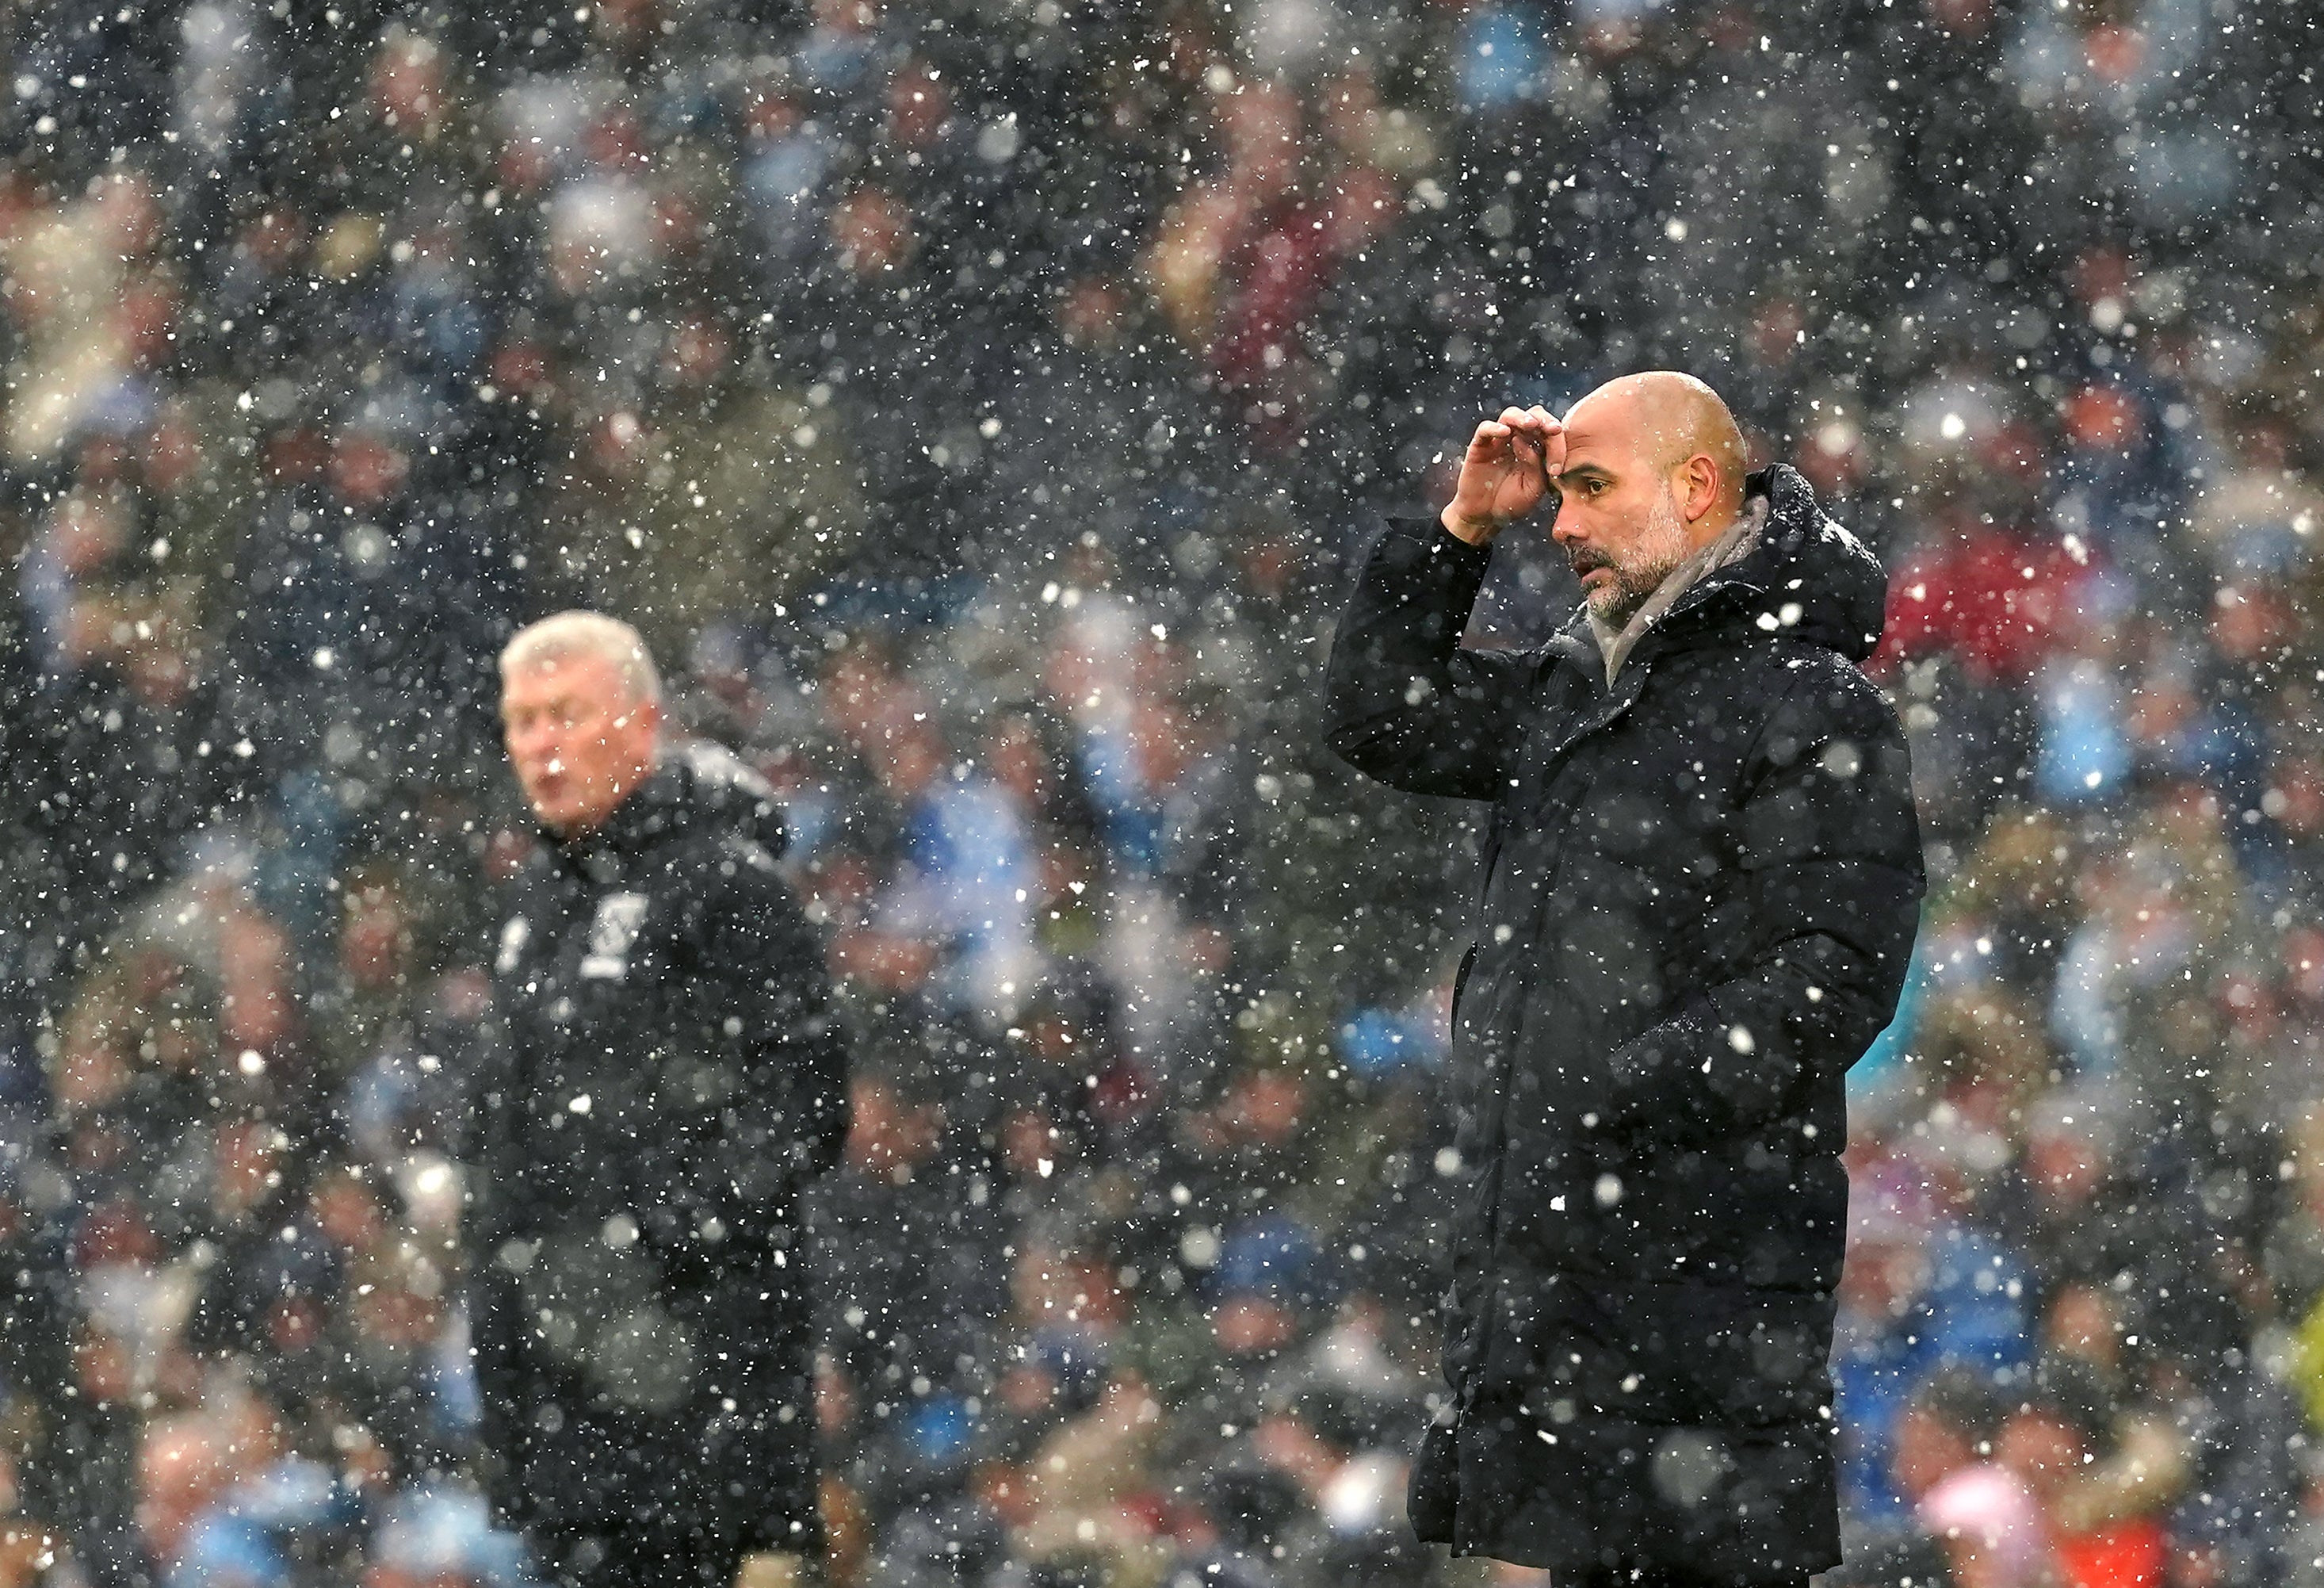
2041 1449
579 743
1927 1450
1617 520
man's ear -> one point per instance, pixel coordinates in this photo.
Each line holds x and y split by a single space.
1698 486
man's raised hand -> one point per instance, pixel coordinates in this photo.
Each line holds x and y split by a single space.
1511 464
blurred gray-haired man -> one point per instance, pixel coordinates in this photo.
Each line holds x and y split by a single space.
673 1073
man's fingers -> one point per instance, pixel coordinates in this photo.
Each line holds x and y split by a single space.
1490 439
1553 437
1521 435
1526 442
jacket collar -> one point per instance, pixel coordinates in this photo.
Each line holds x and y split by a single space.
629 827
1734 542
1581 644
695 788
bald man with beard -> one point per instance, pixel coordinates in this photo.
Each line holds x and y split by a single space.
1700 882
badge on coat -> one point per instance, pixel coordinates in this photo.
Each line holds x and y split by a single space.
613 935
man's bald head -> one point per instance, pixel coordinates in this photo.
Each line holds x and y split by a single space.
1652 471
1671 418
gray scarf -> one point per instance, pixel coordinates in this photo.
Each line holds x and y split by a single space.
1734 542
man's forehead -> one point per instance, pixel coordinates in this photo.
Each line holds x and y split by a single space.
1599 435
540 670
1609 430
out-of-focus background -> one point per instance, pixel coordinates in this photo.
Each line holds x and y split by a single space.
979 405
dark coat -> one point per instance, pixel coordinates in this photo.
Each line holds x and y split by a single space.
673 1073
1699 893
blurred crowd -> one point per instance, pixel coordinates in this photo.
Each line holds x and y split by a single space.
978 404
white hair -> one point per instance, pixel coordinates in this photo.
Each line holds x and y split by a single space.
586 633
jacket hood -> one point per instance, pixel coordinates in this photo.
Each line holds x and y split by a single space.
1811 575
699 789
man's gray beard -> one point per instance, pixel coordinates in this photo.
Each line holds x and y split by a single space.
1658 554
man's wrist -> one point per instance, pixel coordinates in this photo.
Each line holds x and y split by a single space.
1475 532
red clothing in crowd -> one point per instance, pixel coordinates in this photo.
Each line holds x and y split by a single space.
2128 1555
1995 598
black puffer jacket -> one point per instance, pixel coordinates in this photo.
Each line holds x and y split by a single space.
673 1073
1699 893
